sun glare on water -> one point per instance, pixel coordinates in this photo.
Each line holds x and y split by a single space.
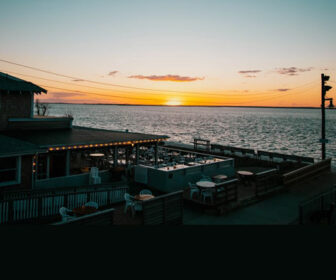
173 102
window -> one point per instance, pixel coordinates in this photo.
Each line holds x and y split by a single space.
42 165
9 170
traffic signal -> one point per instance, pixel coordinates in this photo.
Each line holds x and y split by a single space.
324 79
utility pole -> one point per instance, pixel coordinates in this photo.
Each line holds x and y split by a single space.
324 90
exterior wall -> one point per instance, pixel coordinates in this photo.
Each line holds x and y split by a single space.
14 105
39 123
26 176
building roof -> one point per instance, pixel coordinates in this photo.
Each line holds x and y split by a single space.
11 83
81 136
13 147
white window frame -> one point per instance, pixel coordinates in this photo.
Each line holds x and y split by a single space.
18 173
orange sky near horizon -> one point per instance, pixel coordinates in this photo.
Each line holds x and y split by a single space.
178 52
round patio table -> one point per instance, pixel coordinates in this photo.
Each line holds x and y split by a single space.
96 155
245 173
205 184
143 197
246 177
219 177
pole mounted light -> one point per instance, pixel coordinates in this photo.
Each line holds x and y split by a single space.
324 90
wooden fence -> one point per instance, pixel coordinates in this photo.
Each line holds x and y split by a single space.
318 204
225 192
267 182
164 209
306 172
100 218
38 209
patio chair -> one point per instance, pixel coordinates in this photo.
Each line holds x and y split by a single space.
193 189
91 204
145 191
206 194
64 212
94 176
129 203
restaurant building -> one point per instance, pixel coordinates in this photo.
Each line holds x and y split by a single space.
38 152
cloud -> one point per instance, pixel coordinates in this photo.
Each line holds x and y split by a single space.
249 73
78 80
112 73
292 71
170 78
65 95
283 89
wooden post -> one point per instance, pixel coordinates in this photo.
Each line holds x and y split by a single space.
115 156
156 153
127 151
67 163
137 150
48 166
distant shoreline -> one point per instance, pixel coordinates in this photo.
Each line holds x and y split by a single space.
274 107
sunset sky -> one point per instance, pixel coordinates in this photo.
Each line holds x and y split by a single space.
176 52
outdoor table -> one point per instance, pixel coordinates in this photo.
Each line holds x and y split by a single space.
96 158
84 210
205 184
143 197
96 155
246 176
245 173
219 178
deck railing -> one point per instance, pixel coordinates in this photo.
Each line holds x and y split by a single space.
317 204
100 218
270 156
20 194
267 182
164 209
306 172
38 209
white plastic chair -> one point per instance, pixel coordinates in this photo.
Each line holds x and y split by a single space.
91 204
94 176
193 189
64 213
206 194
129 203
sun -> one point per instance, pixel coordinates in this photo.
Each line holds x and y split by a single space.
173 102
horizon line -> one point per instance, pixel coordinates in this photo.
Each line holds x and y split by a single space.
163 105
